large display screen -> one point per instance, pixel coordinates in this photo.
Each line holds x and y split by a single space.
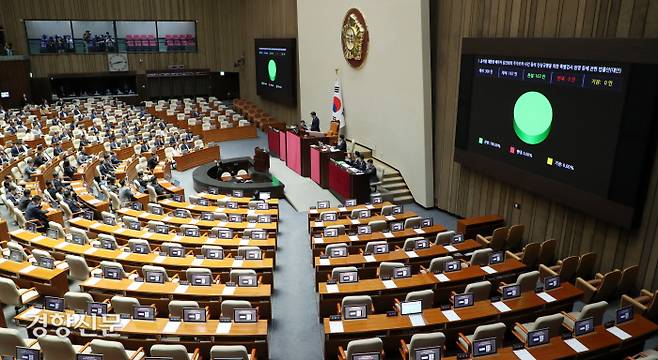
276 70
564 128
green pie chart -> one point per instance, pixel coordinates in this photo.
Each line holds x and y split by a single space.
533 116
271 69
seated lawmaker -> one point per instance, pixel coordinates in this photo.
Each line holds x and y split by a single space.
342 144
34 212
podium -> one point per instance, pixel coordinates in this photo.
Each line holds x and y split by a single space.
261 160
298 157
346 185
273 141
320 159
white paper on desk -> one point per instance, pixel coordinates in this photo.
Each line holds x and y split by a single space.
95 225
419 231
121 230
450 248
342 209
354 237
523 354
228 290
318 224
501 306
417 320
159 259
190 206
546 297
318 240
390 217
92 281
122 323
27 269
197 262
388 235
90 251
223 328
171 327
123 255
576 345
38 238
61 245
251 212
369 258
181 289
238 263
451 315
442 277
313 211
61 266
134 286
251 225
193 221
336 327
32 312
370 207
389 284
621 334
244 242
325 262
332 288
147 235
411 254
166 219
177 238
210 241
488 269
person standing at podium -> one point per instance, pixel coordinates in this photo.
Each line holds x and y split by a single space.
315 122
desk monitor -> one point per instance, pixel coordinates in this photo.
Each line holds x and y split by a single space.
156 277
177 198
109 220
363 214
23 353
235 218
354 312
88 357
225 234
111 272
366 356
200 279
194 315
253 254
77 239
457 239
511 291
421 244
264 219
264 195
157 210
213 190
97 308
215 253
136 206
262 205
323 204
15 255
143 312
162 229
402 272
426 222
430 353
330 216
140 248
88 215
191 232
624 314
31 227
582 327
53 233
176 251
350 202
538 337
108 244
202 201
134 225
53 303
348 277
463 300
338 252
250 280
207 216
454 265
497 257
46 262
363 230
232 205
380 248
259 235
411 307
484 347
181 213
330 232
397 226
551 282
376 200
245 315
237 193
398 209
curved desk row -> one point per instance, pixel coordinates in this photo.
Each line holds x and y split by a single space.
314 214
315 226
198 209
242 201
206 224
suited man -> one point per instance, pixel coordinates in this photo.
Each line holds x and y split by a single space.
184 147
315 122
18 148
34 212
153 162
342 144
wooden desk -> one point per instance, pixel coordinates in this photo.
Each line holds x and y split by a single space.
320 158
171 188
483 225
228 134
298 156
314 214
237 226
242 201
316 226
198 209
88 199
45 172
196 158
46 281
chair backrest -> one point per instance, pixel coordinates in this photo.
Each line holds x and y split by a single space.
481 257
229 352
444 237
552 322
228 306
496 330
167 246
370 245
608 285
358 300
627 280
9 294
528 281
14 246
422 341
341 228
412 222
568 268
175 307
480 290
81 233
235 274
372 345
547 252
335 272
410 243
378 225
595 310
531 255
123 304
109 349
154 269
438 264
56 348
652 309
77 300
586 266
173 351
190 272
498 238
514 237
9 339
78 269
386 268
387 210
425 296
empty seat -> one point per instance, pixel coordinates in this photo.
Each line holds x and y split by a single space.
386 268
412 222
370 246
444 237
174 352
480 257
438 264
496 330
410 243
9 340
480 290
114 350
57 348
586 264
228 307
378 225
600 288
341 228
646 304
514 237
594 310
497 239
335 272
235 274
115 265
547 252
526 281
190 272
552 322
361 346
78 268
426 297
10 294
357 300
77 301
628 278
566 269
529 255
421 341
229 352
176 307
387 210
123 304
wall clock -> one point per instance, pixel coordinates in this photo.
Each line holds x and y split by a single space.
117 62
354 38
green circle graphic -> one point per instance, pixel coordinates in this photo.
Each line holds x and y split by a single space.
533 116
271 69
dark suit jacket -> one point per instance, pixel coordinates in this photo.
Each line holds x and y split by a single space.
315 124
34 212
342 146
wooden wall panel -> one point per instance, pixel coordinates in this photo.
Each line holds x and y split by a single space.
465 192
